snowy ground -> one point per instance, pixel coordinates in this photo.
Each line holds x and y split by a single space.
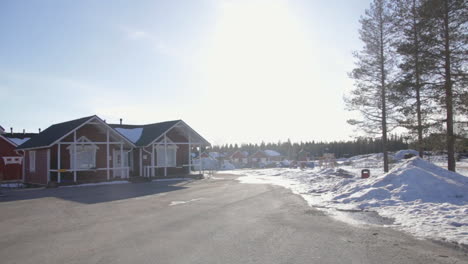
420 197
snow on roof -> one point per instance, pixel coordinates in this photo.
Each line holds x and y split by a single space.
132 134
18 141
272 153
216 155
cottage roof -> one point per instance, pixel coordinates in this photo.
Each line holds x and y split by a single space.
53 133
143 135
56 132
18 138
243 154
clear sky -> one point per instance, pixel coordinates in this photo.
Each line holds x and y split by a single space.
236 71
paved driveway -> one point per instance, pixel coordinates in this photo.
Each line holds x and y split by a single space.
205 221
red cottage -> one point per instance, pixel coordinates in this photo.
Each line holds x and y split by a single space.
162 149
266 156
239 157
88 149
11 162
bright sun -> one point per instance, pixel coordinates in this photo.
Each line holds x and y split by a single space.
258 47
260 66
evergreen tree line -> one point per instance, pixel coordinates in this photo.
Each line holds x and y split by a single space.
411 71
317 149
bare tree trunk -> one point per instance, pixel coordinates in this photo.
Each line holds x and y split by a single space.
418 82
448 92
384 97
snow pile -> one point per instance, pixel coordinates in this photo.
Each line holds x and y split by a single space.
368 160
336 172
207 164
227 166
405 152
422 198
413 180
12 185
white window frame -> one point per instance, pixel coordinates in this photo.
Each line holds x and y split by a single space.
32 161
80 148
171 154
12 160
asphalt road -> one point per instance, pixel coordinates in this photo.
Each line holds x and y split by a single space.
205 221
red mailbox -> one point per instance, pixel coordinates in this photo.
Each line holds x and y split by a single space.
365 173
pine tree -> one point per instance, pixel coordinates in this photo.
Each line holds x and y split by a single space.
411 92
448 20
374 73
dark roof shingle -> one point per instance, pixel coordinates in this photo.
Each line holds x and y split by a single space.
150 132
53 133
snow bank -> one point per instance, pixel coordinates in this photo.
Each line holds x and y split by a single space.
207 164
402 153
227 166
12 185
422 198
415 179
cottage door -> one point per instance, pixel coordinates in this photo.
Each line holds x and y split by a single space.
117 162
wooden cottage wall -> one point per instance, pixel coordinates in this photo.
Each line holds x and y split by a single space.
39 175
10 171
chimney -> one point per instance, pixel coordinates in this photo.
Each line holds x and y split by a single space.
39 130
11 130
120 120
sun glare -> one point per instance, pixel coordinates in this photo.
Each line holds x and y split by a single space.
258 47
260 62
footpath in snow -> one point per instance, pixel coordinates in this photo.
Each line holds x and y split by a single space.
421 198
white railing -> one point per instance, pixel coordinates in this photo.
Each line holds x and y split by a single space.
125 171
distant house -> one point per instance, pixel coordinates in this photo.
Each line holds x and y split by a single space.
89 149
217 155
11 162
303 155
205 155
266 156
239 157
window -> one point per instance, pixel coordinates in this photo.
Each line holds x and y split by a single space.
171 154
32 161
85 154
